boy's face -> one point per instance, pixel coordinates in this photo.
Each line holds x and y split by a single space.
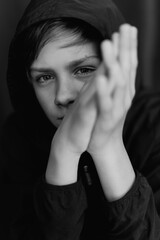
59 73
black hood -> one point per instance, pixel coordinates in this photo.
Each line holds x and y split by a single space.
102 14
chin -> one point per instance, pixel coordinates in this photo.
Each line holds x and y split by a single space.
56 123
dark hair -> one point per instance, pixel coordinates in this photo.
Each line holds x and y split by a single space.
37 35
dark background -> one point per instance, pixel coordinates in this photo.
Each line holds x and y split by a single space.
141 13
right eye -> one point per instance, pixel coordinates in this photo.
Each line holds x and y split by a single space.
44 79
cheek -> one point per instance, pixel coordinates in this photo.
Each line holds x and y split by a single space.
46 98
77 86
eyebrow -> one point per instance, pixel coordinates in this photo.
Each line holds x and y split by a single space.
71 64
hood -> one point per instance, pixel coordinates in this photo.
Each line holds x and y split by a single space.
102 14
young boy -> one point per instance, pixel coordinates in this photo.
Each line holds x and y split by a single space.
71 75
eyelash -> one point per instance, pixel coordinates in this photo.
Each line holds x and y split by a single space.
85 72
42 81
88 71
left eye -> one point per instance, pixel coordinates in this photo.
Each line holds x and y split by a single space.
84 71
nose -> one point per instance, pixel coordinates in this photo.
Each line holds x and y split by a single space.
66 93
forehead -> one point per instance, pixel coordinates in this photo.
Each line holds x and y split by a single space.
63 50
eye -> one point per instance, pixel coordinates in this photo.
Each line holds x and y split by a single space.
84 71
44 79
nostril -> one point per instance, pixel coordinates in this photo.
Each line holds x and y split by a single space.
71 102
63 102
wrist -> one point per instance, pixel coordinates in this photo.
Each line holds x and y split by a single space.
114 169
62 165
107 147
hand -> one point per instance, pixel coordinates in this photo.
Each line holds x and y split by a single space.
115 80
115 89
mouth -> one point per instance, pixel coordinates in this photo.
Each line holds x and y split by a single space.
60 118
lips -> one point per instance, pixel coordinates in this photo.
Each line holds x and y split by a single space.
60 118
61 115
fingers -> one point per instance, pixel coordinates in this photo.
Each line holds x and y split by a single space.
109 80
128 57
103 96
111 106
110 68
134 57
124 47
133 46
128 54
115 41
119 61
87 94
116 83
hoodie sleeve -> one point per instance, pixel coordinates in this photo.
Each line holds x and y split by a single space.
60 210
137 215
134 217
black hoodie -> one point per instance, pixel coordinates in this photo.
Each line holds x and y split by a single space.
33 209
